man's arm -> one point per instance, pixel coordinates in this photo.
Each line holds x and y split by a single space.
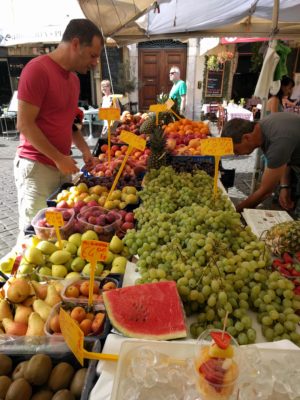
270 179
26 123
183 104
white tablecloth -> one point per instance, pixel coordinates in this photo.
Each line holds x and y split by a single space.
234 111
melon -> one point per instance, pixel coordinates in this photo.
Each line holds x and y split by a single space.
149 311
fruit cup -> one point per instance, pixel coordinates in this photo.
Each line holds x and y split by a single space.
216 365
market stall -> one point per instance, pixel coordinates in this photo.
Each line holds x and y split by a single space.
131 245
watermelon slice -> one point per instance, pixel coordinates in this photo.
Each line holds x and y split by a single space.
149 311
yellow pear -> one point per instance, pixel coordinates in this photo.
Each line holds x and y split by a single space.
14 328
35 325
40 290
22 314
5 311
42 308
52 297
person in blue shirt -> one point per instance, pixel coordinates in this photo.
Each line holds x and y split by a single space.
179 89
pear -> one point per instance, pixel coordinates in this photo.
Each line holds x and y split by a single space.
42 308
18 290
119 265
116 245
52 297
75 239
34 256
5 311
14 328
59 271
40 290
60 257
46 247
35 325
22 314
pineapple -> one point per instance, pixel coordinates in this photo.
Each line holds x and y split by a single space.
284 237
158 155
148 125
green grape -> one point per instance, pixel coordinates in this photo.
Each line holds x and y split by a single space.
246 321
239 326
269 334
274 315
232 331
251 333
212 300
290 325
267 321
242 338
222 298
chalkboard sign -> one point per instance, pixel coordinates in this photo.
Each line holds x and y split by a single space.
114 56
214 83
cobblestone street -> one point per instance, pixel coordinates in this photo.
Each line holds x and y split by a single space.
8 199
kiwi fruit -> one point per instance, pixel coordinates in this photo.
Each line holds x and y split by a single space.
78 382
42 394
19 390
38 369
63 394
5 383
19 370
61 376
5 364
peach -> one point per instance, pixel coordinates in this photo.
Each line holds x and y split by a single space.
108 286
72 291
98 323
84 288
78 314
90 316
86 326
54 324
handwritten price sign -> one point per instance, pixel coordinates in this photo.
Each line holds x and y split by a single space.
94 250
110 114
133 140
54 218
217 146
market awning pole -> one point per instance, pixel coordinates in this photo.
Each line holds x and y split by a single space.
258 168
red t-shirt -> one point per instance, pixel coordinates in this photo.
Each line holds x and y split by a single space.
55 91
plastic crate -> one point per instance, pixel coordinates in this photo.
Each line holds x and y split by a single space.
22 350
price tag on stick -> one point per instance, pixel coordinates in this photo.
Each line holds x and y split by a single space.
169 103
93 251
55 219
74 338
110 114
157 108
217 147
133 141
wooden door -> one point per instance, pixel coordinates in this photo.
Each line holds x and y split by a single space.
154 67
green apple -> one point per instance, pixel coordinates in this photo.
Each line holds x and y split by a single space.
63 242
75 239
59 271
78 264
89 235
73 275
116 245
34 256
70 247
109 258
119 265
98 271
46 271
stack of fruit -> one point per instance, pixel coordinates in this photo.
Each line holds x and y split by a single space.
38 379
184 136
78 290
45 260
26 307
186 234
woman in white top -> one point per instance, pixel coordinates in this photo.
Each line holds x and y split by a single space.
107 101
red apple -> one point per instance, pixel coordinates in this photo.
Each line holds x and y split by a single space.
129 217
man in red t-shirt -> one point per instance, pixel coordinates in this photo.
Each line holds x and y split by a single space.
48 95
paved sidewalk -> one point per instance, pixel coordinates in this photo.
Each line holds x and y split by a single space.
8 198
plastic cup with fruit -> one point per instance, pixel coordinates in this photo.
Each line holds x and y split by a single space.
104 222
47 232
216 365
78 290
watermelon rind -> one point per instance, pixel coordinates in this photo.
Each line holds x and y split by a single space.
150 311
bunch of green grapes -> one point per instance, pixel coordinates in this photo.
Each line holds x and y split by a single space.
219 265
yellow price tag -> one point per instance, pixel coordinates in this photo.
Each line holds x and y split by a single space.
110 114
54 218
74 338
217 147
157 108
72 334
94 250
116 96
133 140
169 103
